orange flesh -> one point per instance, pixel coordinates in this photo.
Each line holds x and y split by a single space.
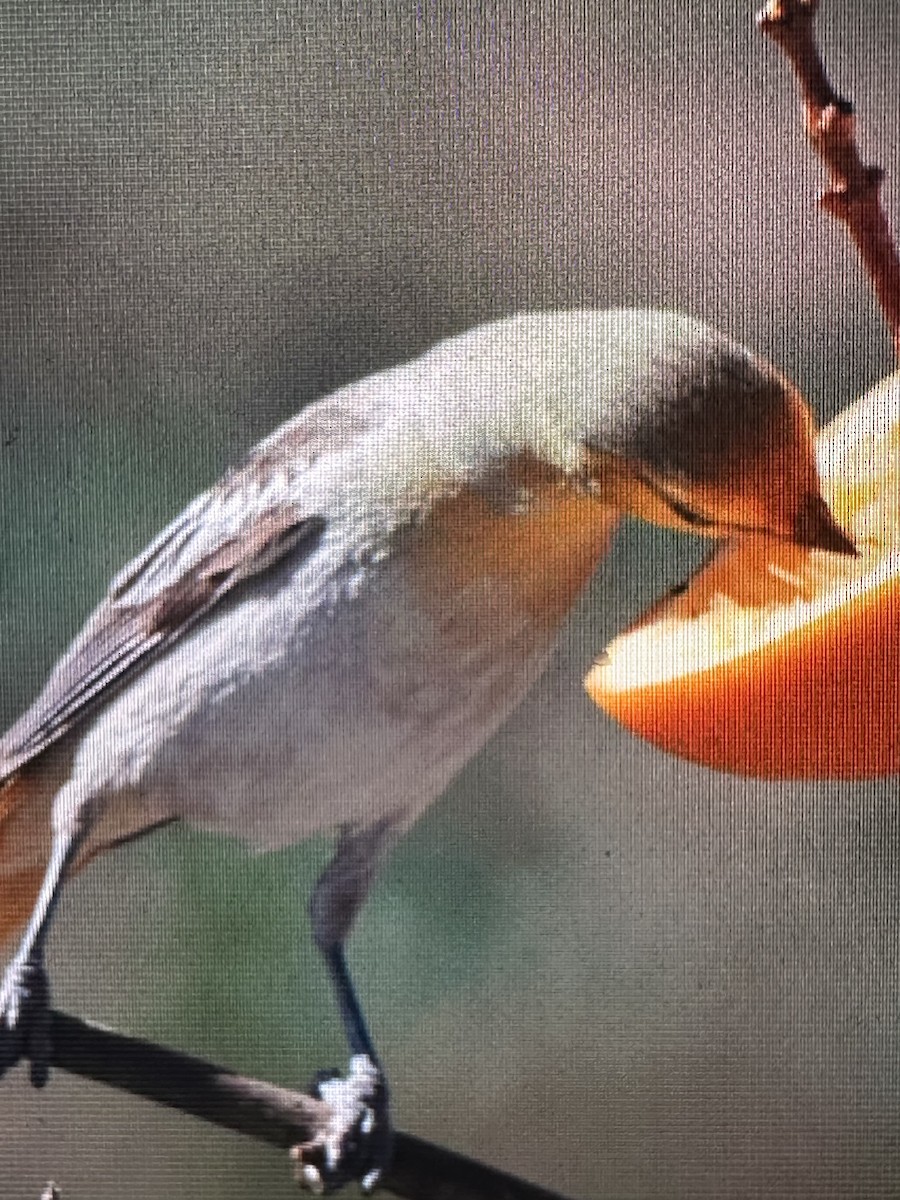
819 702
775 662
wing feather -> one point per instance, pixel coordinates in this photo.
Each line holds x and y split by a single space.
234 532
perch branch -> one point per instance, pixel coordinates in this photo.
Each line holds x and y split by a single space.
279 1116
853 193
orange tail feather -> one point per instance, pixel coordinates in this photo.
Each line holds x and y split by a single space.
26 803
26 832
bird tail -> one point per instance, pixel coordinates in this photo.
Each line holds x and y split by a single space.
26 833
26 803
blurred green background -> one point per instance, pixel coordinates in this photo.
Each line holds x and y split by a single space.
610 972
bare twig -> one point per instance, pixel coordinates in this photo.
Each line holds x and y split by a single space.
853 194
279 1116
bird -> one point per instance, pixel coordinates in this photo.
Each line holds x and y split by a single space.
323 638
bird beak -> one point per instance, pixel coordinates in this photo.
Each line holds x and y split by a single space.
815 526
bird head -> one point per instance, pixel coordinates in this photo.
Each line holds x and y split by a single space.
698 433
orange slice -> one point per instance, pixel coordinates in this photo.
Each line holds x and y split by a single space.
775 661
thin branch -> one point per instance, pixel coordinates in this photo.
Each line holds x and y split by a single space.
279 1116
853 194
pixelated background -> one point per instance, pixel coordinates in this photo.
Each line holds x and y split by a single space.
604 970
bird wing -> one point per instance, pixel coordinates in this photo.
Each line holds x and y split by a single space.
236 531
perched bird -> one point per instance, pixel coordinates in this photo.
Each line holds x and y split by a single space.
325 637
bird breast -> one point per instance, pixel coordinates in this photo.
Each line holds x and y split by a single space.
352 687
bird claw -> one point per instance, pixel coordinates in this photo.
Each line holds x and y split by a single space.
357 1144
25 1019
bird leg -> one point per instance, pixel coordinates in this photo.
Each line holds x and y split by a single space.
25 991
359 1145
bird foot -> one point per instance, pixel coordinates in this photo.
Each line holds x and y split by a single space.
358 1142
25 1018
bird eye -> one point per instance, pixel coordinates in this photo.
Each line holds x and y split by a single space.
688 514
